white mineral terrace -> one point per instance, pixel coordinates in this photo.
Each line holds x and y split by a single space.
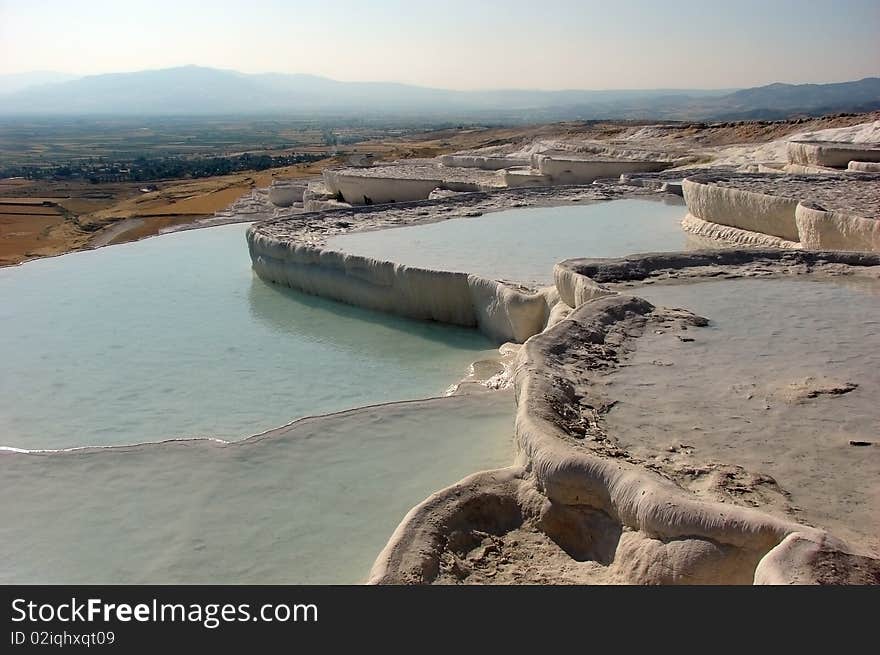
404 181
582 505
540 163
815 189
588 499
410 181
286 193
647 156
840 212
577 503
291 252
831 154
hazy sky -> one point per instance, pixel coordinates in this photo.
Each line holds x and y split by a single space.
460 44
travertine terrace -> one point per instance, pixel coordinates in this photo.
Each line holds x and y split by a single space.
291 252
578 505
839 212
833 212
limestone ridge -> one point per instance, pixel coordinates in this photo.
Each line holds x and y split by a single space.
291 252
826 197
614 518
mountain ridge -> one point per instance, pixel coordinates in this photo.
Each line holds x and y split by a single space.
196 90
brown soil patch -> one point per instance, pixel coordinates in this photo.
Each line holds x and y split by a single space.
77 211
24 236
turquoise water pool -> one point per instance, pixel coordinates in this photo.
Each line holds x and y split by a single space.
175 336
312 503
524 244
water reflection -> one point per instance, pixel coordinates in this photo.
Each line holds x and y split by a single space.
174 337
293 313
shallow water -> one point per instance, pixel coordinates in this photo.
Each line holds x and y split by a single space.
312 503
524 244
728 393
175 337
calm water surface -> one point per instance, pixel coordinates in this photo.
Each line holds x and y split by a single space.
314 503
176 337
524 244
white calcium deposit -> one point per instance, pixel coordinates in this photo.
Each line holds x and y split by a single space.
501 311
777 151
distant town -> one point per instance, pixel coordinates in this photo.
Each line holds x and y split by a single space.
99 170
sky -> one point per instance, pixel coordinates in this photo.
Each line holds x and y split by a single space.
458 44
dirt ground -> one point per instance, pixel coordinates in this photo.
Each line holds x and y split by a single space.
28 226
72 214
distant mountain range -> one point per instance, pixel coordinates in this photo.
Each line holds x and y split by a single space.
12 82
193 90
